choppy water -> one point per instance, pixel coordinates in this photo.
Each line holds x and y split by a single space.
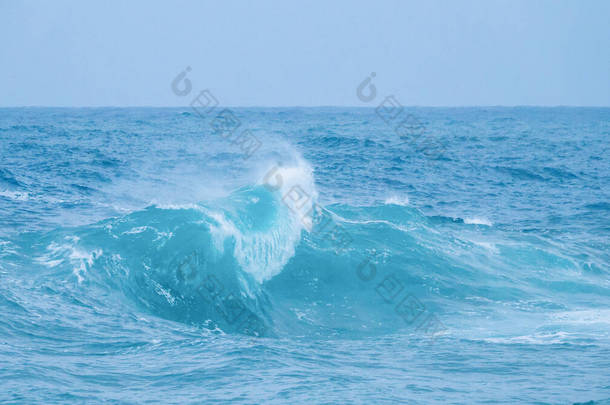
145 257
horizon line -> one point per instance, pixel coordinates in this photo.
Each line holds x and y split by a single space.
318 106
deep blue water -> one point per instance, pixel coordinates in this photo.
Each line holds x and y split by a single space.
312 255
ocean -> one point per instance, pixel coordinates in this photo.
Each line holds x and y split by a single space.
305 255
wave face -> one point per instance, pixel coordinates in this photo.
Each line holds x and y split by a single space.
127 255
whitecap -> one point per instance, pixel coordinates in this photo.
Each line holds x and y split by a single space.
397 200
478 221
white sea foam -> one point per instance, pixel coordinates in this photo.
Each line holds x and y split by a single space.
534 339
80 259
163 292
142 229
397 200
583 317
487 245
478 221
263 252
15 195
163 206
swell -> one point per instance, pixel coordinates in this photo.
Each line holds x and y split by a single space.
249 263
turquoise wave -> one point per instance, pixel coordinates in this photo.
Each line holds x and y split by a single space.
250 264
142 259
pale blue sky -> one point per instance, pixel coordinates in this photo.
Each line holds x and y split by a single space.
310 53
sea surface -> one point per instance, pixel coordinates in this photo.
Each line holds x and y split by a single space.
305 255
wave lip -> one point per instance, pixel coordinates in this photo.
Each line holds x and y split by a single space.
261 229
